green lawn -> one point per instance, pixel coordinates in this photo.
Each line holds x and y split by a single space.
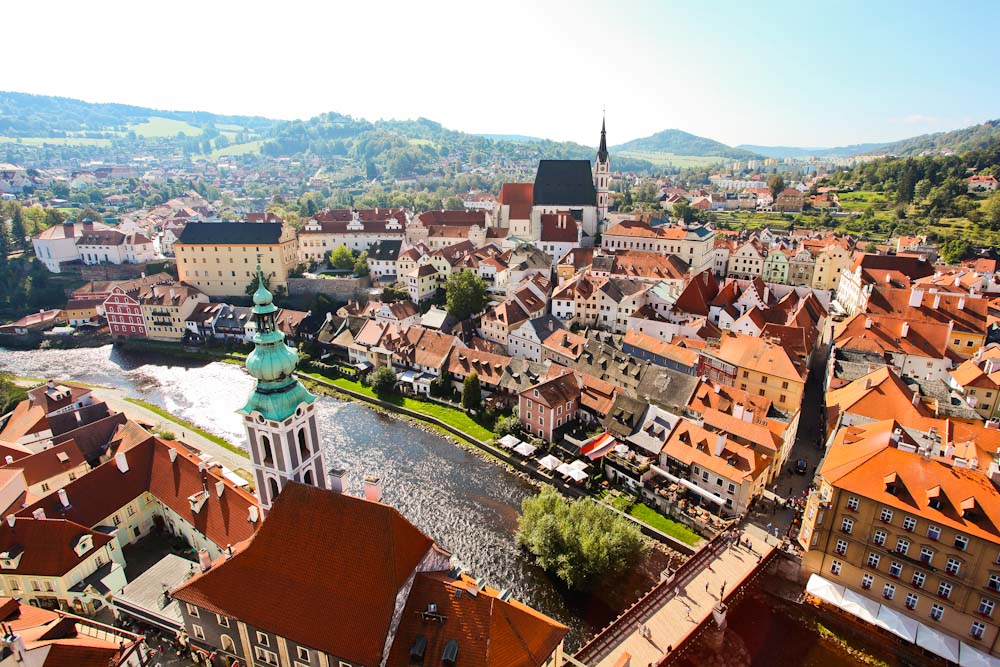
451 416
660 159
189 426
652 518
157 126
238 149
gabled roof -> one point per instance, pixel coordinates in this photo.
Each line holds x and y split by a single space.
231 233
46 546
698 294
564 183
350 571
555 390
760 355
519 196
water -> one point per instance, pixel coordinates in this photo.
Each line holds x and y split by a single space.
468 505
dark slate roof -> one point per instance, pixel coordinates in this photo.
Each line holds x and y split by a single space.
221 233
386 250
564 183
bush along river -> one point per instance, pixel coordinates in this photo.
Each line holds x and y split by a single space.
468 504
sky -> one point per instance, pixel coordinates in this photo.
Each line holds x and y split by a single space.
767 72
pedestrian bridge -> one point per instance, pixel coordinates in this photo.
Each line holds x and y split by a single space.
661 625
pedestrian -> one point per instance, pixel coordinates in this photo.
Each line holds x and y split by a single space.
769 524
670 648
760 557
706 586
722 591
789 491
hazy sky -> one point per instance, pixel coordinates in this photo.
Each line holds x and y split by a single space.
762 72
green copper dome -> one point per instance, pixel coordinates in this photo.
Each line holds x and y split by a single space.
277 393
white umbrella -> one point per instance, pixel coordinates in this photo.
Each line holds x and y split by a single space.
550 462
578 464
508 441
564 469
621 450
524 449
577 474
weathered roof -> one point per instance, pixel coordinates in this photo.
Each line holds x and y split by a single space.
564 182
231 233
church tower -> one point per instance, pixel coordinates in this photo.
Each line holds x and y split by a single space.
279 417
602 176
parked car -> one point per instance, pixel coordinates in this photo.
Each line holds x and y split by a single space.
801 467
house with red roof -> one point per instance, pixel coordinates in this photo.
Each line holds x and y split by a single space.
551 405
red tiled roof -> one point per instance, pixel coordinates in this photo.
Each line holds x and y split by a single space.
519 196
47 545
332 588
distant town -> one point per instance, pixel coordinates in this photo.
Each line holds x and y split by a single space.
768 368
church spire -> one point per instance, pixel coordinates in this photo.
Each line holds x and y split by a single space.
602 150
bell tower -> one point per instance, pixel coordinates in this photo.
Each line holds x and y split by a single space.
602 175
279 417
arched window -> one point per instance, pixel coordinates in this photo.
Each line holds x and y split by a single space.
228 644
308 478
273 484
265 445
303 447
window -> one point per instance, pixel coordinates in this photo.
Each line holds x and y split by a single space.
835 567
926 555
937 612
911 600
953 566
262 639
902 545
198 631
265 656
847 525
918 579
888 591
228 644
886 515
192 611
879 537
944 590
223 620
895 569
977 630
852 504
842 547
866 581
933 532
873 560
986 606
994 582
961 542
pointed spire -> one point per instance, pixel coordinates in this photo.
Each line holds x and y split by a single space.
602 151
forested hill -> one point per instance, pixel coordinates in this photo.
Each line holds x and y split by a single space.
24 115
679 142
957 141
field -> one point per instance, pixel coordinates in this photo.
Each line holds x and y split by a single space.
157 126
56 141
670 159
237 149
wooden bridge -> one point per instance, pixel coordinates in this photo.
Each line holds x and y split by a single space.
661 625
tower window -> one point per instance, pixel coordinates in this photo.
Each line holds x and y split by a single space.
303 445
273 484
265 445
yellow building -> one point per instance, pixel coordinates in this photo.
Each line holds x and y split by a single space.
832 261
756 366
898 527
165 309
219 258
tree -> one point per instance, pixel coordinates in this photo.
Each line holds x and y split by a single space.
392 293
89 214
361 265
871 247
342 258
53 216
776 184
472 393
17 231
508 425
922 189
465 294
684 211
955 251
10 393
454 203
382 381
991 211
4 240
579 541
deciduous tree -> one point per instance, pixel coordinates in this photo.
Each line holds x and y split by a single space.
465 294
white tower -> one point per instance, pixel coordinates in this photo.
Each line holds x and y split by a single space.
602 176
279 417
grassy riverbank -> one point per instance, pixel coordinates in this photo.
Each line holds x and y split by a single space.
188 426
652 518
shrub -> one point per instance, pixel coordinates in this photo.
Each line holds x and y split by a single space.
382 381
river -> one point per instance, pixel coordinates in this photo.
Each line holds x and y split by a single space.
467 504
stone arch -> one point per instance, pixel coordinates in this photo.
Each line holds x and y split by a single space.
228 644
267 455
272 485
304 451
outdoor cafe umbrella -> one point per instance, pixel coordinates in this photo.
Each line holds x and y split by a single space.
550 462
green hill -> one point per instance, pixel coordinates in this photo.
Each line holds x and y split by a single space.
679 142
957 141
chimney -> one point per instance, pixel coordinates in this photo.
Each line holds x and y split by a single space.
720 444
11 519
738 410
373 489
39 513
172 453
50 384
254 515
8 459
204 560
748 416
868 382
961 303
937 301
905 329
868 323
338 480
220 486
63 498
916 297
121 462
916 398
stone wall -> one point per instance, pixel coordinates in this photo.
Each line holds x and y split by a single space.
342 287
123 271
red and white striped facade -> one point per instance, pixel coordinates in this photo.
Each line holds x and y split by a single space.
124 314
